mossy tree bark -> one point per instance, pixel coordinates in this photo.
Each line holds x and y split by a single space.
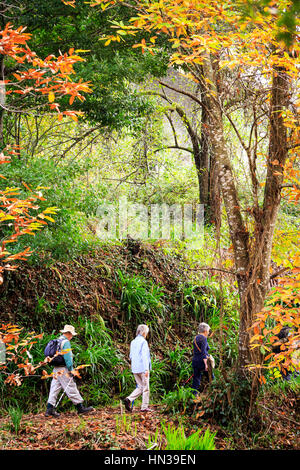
252 260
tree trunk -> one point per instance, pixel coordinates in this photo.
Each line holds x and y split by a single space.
215 197
252 264
209 191
207 175
203 163
238 233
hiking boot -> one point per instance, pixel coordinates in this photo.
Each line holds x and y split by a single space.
51 411
127 404
83 409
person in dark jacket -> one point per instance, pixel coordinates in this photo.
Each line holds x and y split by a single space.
200 357
282 336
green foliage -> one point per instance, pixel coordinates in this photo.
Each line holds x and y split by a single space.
161 376
170 371
111 70
141 301
176 439
15 414
125 423
179 400
202 301
66 238
278 387
228 400
179 363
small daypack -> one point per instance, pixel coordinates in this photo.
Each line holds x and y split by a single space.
51 349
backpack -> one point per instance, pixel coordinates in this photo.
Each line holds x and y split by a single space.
51 349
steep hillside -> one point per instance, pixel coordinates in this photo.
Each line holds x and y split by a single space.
51 294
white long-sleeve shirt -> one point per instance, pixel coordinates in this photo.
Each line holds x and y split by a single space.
139 355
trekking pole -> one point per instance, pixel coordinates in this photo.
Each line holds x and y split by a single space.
56 405
188 379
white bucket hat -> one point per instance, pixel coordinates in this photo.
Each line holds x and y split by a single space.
69 329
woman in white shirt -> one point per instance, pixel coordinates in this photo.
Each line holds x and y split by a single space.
140 366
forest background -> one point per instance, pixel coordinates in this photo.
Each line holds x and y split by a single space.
161 103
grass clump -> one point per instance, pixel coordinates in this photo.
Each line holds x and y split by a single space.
15 414
174 438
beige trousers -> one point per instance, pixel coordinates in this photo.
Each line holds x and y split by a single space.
63 380
142 389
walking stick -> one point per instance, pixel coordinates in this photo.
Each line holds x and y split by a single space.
188 379
56 405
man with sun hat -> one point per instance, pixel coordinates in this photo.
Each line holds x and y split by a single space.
63 378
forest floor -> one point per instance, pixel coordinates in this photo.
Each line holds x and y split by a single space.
102 429
111 428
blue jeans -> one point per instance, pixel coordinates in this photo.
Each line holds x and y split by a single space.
198 373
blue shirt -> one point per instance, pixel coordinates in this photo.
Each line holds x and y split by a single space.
139 355
202 354
68 356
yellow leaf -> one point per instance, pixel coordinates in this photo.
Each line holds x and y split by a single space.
49 218
51 97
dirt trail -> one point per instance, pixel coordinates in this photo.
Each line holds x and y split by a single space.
106 428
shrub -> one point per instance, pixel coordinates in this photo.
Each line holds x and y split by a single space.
177 440
180 364
15 414
174 438
180 400
141 301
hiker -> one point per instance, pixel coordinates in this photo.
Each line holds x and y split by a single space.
283 337
63 377
201 355
140 366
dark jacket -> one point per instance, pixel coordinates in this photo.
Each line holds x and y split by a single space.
198 356
282 338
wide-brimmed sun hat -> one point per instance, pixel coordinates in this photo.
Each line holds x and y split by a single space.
69 329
